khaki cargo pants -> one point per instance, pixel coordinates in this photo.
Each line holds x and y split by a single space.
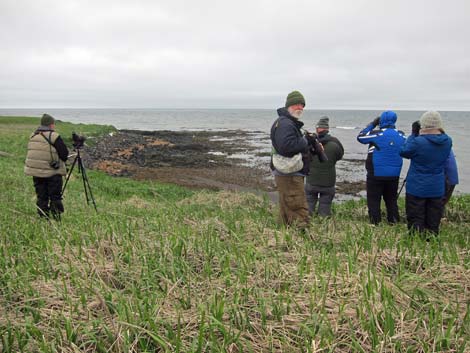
292 201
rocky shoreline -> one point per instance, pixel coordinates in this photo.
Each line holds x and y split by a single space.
231 160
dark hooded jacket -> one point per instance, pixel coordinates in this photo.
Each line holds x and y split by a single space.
383 159
287 139
428 155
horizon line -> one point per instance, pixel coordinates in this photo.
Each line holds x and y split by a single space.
230 108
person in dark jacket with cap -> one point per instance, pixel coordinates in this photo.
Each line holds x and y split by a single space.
288 141
320 183
383 165
45 162
428 148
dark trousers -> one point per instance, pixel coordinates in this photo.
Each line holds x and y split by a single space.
323 195
49 194
376 189
424 214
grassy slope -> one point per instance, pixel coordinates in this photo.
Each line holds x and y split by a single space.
164 268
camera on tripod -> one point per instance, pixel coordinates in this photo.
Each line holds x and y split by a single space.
78 140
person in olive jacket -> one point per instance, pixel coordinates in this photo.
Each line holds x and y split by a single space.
320 183
45 162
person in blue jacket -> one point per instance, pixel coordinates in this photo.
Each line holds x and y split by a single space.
383 165
428 148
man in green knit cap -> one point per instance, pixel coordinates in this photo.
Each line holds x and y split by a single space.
289 143
45 162
320 183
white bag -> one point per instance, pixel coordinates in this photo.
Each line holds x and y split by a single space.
287 165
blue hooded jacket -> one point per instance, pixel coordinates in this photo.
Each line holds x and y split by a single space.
428 155
383 160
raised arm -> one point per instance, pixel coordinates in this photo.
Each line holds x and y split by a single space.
368 135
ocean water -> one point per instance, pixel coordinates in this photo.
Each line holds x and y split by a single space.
344 124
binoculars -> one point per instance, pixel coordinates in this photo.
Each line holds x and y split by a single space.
316 148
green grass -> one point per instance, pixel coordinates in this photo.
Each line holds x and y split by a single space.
163 268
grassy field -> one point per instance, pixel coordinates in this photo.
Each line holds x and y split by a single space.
162 268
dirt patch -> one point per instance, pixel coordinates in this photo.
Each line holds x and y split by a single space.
216 178
112 168
161 143
350 187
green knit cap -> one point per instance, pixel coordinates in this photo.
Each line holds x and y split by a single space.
47 120
295 97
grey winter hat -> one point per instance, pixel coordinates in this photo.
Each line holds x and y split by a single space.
323 123
431 120
47 120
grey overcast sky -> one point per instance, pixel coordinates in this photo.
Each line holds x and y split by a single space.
343 54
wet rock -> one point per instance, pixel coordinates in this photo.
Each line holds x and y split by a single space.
200 159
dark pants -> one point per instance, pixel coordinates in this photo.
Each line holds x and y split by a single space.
424 214
292 202
49 193
323 195
376 189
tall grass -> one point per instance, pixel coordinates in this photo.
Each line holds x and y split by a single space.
162 268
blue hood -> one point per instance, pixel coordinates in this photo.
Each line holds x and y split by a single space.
388 119
438 139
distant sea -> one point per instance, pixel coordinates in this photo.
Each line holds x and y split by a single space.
345 124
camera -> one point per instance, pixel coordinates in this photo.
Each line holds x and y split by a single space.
54 164
78 140
415 127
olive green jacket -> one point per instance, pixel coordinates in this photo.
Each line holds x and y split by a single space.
41 153
324 173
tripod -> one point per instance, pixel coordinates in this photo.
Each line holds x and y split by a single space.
86 184
402 185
